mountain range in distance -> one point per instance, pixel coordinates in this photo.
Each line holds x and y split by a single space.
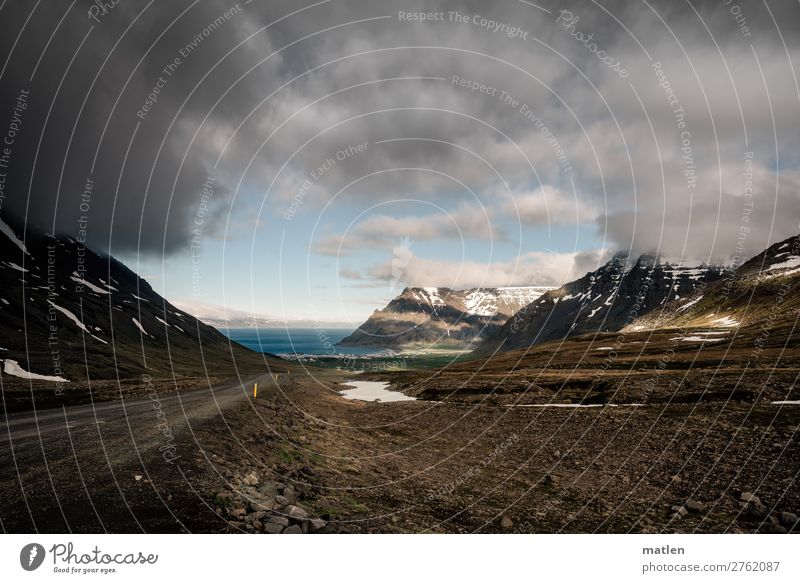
63 306
627 293
225 317
752 304
604 300
445 317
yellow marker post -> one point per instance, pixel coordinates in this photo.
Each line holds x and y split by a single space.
255 390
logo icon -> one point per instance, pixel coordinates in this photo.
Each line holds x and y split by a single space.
31 556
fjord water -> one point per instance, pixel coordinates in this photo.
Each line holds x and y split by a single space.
309 341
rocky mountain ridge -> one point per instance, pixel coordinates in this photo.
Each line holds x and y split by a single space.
69 314
603 300
442 316
759 294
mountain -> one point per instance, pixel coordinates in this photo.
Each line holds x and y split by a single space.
604 300
441 316
732 340
758 299
68 313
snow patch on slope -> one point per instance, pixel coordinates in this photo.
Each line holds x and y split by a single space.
787 264
12 367
140 327
689 304
481 303
724 322
76 321
431 296
91 286
8 232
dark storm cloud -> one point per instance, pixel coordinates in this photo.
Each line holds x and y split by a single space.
107 132
353 76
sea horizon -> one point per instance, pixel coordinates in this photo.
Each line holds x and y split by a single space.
299 341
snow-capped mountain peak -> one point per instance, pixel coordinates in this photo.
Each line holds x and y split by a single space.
603 300
430 315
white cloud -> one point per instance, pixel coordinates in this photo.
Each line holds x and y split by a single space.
465 222
536 268
550 206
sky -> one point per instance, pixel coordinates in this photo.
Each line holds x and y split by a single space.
310 159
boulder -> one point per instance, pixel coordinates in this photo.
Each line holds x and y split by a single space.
261 506
788 519
680 510
276 519
295 513
272 528
290 495
771 526
268 490
695 506
253 516
749 498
